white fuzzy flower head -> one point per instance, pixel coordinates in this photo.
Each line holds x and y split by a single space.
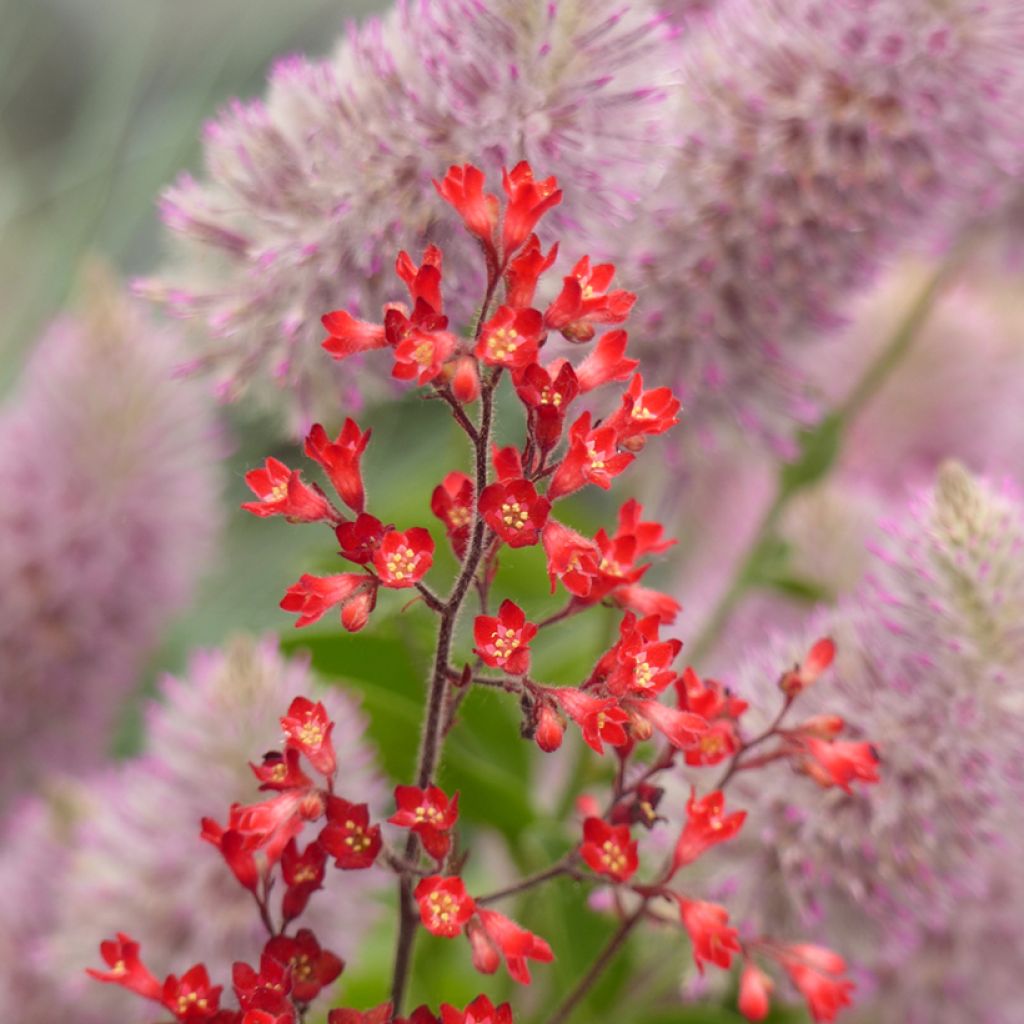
110 510
918 878
309 194
134 861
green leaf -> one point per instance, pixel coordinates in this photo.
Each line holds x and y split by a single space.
819 448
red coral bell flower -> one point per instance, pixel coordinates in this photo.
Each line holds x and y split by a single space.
503 641
510 338
430 814
348 836
707 924
307 727
191 997
707 825
514 511
445 906
608 849
126 968
312 968
403 559
313 596
282 492
513 942
347 336
340 460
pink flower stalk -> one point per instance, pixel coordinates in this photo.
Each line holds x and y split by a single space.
309 192
131 845
109 516
820 138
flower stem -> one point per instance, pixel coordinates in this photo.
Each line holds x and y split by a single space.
560 867
432 738
597 968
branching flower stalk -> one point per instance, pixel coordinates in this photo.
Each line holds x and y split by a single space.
507 502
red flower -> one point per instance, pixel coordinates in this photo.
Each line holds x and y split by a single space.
191 997
281 771
421 1015
121 955
445 906
286 1016
525 270
463 187
707 697
583 302
608 849
718 743
528 201
514 511
643 412
348 835
360 539
682 729
257 989
839 762
262 828
593 457
639 662
818 659
571 558
308 729
599 719
452 503
423 282
421 354
340 460
312 968
303 874
707 824
403 559
378 1015
347 336
817 974
510 338
429 814
237 849
755 992
707 924
606 362
504 641
282 493
313 596
504 936
549 730
480 1011
547 393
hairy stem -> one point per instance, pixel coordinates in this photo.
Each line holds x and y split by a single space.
560 867
432 738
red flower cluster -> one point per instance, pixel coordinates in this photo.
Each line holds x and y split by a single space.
632 695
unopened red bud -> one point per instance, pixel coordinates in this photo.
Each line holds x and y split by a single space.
587 806
549 730
466 380
755 990
579 333
633 444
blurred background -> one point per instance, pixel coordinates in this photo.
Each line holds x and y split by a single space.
824 228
